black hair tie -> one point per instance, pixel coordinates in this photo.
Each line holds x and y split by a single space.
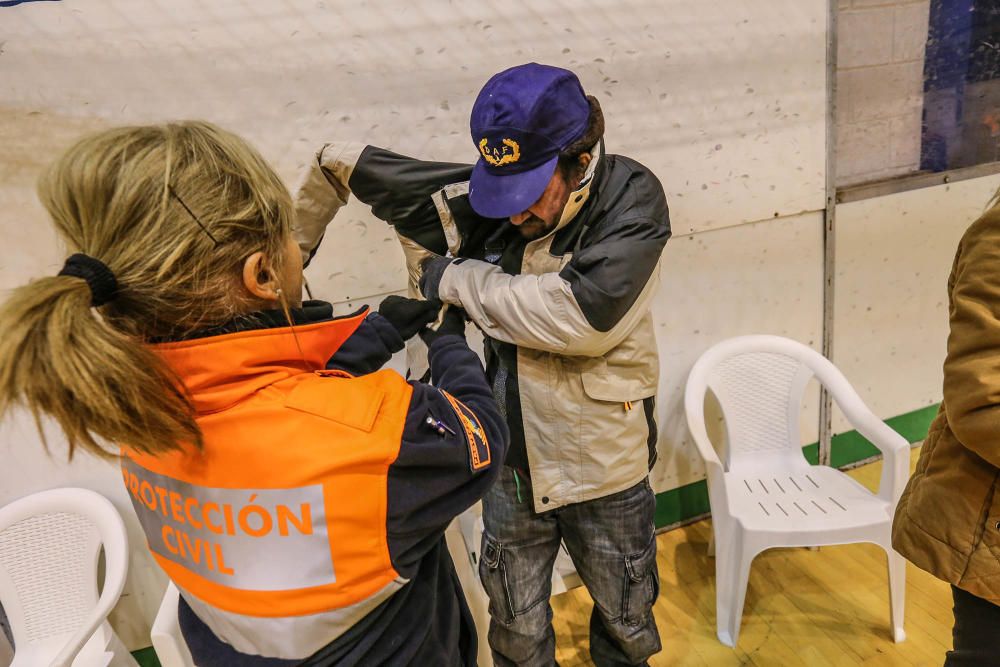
102 283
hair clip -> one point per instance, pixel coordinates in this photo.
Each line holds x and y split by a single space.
173 192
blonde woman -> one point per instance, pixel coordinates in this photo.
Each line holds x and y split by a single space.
296 494
948 519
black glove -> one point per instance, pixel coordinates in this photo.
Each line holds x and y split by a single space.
408 316
432 270
452 324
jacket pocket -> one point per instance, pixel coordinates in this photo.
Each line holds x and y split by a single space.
641 585
611 429
612 383
493 575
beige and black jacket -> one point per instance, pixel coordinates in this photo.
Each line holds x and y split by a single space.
570 347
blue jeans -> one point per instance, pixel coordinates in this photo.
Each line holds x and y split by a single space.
612 544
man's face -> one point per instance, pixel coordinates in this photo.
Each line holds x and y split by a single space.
543 216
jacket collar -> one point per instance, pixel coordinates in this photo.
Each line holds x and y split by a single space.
221 369
589 191
579 197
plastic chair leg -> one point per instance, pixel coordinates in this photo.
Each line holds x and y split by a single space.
732 569
475 595
897 593
104 649
120 655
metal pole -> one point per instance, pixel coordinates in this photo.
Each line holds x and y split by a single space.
829 227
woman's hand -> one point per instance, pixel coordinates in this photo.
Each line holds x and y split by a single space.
408 316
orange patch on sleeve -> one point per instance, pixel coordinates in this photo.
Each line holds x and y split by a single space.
475 434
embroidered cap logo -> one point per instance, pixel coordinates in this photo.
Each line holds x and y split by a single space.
508 153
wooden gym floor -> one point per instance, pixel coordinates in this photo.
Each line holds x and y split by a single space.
803 607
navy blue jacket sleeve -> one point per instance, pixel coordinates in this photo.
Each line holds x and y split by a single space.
437 477
369 348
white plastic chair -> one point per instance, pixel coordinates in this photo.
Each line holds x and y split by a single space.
49 548
765 493
168 642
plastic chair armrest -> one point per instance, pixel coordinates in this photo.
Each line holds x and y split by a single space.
894 447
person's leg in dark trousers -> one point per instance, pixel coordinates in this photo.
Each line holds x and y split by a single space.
613 546
518 552
976 635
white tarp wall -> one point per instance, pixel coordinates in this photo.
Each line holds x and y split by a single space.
725 101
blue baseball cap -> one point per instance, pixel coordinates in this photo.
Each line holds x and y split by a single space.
521 120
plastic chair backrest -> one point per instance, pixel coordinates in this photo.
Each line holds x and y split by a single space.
50 543
759 382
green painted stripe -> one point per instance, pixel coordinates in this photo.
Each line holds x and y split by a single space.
691 500
680 504
146 657
851 447
914 425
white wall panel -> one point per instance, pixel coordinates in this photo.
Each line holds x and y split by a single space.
894 255
763 278
359 259
724 100
29 142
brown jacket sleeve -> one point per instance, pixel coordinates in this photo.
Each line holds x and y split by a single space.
972 368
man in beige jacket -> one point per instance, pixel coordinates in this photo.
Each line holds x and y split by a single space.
552 247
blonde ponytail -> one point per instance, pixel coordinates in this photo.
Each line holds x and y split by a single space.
116 196
101 386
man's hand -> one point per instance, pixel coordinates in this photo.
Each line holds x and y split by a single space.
432 270
408 316
452 324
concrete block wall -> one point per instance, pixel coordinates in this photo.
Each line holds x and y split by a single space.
880 80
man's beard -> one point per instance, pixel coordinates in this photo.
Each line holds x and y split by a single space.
535 228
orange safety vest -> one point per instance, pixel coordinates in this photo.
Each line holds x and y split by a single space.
275 532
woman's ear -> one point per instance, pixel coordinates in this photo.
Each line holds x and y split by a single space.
259 279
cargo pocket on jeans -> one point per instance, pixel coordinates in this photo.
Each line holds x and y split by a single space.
493 575
641 585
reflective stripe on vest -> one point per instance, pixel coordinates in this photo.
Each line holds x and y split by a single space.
293 637
251 539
